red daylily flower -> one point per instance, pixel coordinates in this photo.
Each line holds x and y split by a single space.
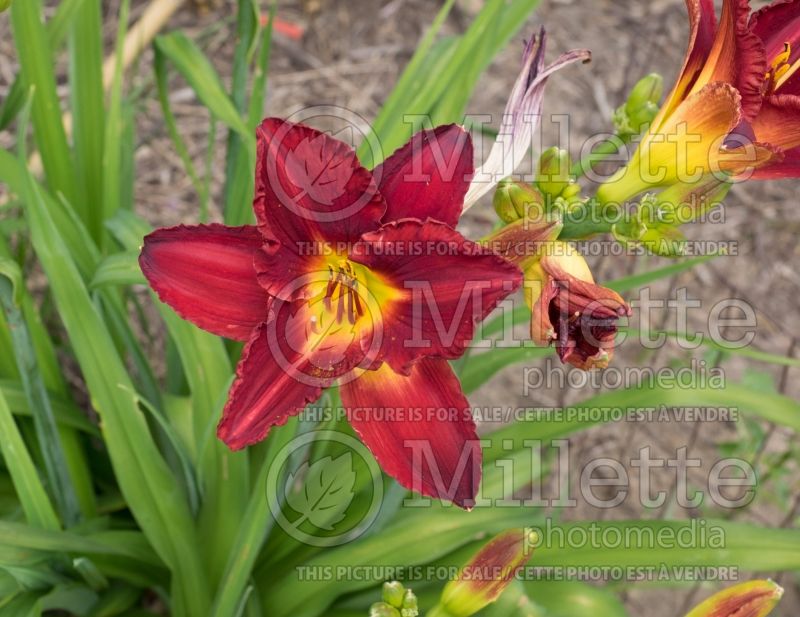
758 55
703 127
778 121
350 276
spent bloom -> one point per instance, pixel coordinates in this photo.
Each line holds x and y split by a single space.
349 276
521 115
569 310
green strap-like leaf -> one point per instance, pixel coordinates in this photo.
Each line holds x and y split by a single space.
35 503
38 400
146 481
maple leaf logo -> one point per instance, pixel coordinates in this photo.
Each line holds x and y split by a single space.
326 492
314 167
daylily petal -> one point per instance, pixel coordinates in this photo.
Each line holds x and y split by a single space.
741 162
282 272
310 188
779 121
784 168
428 177
443 284
737 57
284 366
206 274
702 26
419 428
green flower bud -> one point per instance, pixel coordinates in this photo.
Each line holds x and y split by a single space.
381 609
572 194
641 108
553 176
515 200
4 4
648 90
643 116
652 227
410 607
393 593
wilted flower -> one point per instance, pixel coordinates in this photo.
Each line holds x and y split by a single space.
570 310
750 599
352 276
521 116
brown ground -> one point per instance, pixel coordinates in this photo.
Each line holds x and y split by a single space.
349 55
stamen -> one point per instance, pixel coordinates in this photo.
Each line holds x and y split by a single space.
786 72
351 314
357 299
340 304
331 288
344 283
780 70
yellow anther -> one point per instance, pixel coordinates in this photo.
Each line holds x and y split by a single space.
780 70
783 57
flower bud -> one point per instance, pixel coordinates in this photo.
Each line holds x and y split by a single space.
647 91
664 241
641 108
4 4
393 593
553 176
570 192
381 609
516 200
488 573
410 607
683 203
750 599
